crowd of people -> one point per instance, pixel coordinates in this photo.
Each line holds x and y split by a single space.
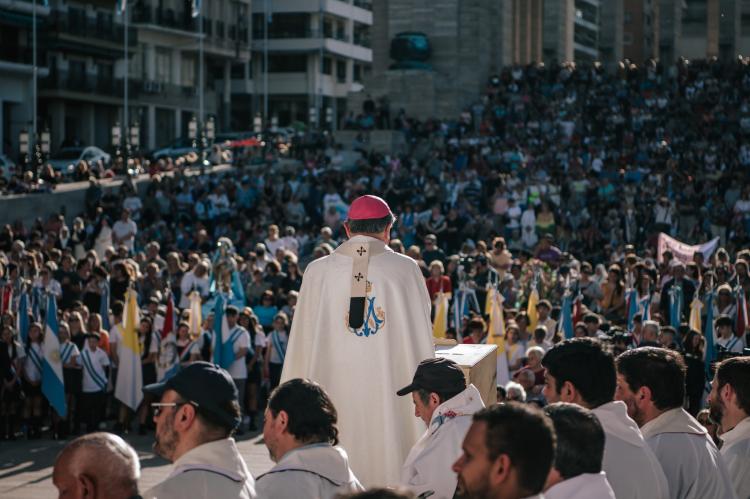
551 193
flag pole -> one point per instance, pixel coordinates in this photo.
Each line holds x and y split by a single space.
125 123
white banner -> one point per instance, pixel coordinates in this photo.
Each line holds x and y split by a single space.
684 252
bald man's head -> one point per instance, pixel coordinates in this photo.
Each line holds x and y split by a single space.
98 465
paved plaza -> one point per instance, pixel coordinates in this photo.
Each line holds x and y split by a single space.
26 465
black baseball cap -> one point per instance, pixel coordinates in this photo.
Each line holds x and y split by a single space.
436 375
208 386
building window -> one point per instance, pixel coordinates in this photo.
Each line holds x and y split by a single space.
238 71
327 66
163 65
627 39
357 73
188 71
341 71
627 17
587 12
282 26
287 63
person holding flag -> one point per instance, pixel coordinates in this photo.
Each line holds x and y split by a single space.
31 379
72 376
128 388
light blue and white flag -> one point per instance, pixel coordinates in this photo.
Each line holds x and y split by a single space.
237 291
22 322
121 6
223 352
104 306
196 8
52 369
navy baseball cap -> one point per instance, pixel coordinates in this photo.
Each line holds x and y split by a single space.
208 386
436 375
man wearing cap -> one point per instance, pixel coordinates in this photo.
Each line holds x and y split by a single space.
361 326
195 419
445 404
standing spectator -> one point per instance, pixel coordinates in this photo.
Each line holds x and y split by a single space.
239 337
277 342
95 363
124 231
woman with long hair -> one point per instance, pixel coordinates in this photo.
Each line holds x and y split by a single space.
11 357
173 273
612 303
149 343
102 237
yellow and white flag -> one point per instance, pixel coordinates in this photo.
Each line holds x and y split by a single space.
496 334
196 319
695 314
440 324
129 376
531 309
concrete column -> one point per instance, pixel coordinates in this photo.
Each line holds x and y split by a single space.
90 119
57 127
177 122
150 62
151 126
225 119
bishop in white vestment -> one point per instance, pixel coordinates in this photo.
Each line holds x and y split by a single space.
361 326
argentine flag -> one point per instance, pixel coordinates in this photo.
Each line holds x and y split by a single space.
22 322
223 351
52 369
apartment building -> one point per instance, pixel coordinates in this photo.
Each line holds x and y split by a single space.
317 51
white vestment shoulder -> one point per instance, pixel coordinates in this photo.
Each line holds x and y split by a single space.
736 455
428 465
362 370
585 486
317 471
691 462
632 469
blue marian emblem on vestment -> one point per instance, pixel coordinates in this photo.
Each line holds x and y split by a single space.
374 317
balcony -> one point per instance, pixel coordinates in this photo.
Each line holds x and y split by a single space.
88 28
17 55
164 18
87 84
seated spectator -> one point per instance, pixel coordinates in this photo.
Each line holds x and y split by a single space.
445 404
301 436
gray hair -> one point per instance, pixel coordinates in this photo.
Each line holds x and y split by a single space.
653 324
100 452
515 391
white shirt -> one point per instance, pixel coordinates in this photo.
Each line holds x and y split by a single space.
736 455
115 339
211 470
732 344
428 464
691 462
274 245
191 282
585 486
238 369
633 471
317 471
33 373
122 229
99 361
283 340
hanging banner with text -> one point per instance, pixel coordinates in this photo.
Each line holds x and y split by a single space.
684 252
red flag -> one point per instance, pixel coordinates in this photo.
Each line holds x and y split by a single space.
168 318
740 323
7 299
577 310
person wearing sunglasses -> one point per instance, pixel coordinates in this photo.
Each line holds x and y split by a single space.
196 416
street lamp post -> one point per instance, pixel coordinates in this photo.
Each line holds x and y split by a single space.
207 138
45 144
135 140
193 132
257 123
23 148
117 141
